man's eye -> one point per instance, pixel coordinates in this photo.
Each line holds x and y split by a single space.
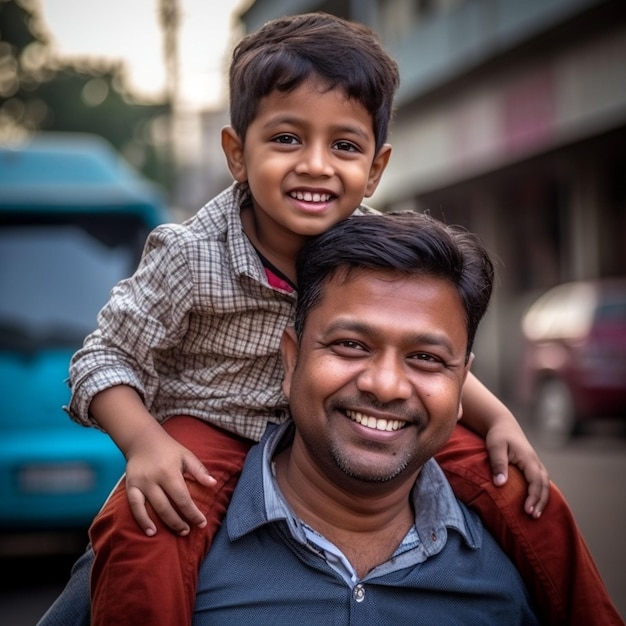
347 346
425 357
285 139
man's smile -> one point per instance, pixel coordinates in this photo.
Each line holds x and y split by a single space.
375 423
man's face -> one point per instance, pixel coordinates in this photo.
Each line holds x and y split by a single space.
375 387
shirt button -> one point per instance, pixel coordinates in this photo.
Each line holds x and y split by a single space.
359 593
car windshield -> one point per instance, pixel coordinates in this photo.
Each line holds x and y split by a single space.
55 276
613 310
565 311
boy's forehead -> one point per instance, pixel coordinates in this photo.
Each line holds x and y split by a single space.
312 83
314 99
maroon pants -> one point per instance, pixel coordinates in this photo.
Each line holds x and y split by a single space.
152 580
144 580
549 553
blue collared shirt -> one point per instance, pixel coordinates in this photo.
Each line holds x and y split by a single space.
267 567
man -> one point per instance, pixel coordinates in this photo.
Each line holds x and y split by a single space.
343 516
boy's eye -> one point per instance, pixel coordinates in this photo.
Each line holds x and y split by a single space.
285 139
346 146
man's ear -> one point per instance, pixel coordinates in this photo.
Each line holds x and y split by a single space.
289 354
377 169
233 150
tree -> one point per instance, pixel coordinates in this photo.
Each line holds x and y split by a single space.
40 92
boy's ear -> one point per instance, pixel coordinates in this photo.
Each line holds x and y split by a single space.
378 167
289 354
233 150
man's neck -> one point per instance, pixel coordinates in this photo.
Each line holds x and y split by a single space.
367 528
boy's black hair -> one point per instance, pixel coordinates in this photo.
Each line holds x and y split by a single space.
409 243
287 51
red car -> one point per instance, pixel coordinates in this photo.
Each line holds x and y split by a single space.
574 365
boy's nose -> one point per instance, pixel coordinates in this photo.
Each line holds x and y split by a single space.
315 161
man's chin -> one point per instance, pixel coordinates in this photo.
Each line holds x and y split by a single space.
370 468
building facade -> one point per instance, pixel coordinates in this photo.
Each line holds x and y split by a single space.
510 120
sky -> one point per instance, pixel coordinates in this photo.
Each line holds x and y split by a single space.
128 30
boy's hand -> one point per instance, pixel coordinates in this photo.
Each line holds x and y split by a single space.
155 473
507 444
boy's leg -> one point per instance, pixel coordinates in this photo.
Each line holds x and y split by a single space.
144 580
550 553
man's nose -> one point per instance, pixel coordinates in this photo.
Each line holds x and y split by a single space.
386 379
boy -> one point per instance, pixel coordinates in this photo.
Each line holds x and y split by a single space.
192 338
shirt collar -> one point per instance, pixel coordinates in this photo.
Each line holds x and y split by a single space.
437 510
245 259
243 256
257 500
254 501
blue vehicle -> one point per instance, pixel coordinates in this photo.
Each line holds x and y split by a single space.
73 220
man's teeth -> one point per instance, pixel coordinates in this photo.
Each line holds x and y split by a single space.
307 196
372 422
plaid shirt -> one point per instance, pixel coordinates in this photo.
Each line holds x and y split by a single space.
196 329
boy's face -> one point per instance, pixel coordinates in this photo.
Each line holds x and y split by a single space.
309 159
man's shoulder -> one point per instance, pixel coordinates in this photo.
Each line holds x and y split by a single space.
255 493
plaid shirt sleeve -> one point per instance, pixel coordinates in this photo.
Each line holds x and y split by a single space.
145 313
196 329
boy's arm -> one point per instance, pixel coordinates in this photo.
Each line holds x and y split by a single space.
506 442
155 462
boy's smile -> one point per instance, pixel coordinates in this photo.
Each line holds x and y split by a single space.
309 159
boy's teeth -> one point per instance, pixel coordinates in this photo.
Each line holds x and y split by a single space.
307 196
372 422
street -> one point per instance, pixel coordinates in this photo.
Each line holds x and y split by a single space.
590 472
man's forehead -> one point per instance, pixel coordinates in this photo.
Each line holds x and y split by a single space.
388 290
400 281
390 307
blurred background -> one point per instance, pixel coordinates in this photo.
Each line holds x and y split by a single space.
510 120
